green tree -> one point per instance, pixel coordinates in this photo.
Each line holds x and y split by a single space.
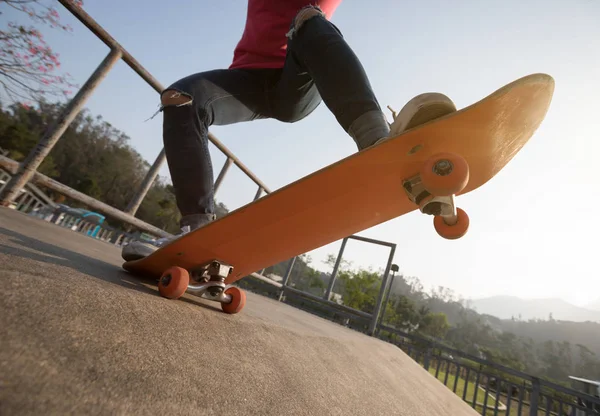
406 316
435 325
360 289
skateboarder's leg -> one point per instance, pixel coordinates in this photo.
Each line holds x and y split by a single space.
318 51
320 63
190 106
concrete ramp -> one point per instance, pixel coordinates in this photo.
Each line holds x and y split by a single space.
78 335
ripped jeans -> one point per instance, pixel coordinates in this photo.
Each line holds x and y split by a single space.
319 66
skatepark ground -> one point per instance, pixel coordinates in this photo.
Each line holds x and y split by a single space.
79 335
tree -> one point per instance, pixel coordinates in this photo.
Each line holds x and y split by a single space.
360 289
416 287
331 260
588 365
442 293
551 359
314 280
435 325
406 314
28 65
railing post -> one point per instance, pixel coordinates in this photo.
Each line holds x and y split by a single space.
258 193
535 396
427 358
37 155
387 295
476 389
286 278
27 204
386 274
146 184
222 174
334 272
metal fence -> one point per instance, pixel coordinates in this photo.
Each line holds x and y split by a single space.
12 167
66 217
326 299
34 202
27 171
29 198
491 388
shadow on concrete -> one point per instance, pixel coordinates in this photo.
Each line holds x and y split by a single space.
48 253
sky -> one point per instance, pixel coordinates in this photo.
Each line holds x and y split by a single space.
534 227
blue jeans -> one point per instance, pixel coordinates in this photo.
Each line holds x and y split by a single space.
319 66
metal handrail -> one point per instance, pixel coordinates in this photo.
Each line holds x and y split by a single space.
433 343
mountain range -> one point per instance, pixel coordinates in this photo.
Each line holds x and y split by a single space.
595 306
507 307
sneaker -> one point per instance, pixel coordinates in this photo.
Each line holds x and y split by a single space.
137 250
420 110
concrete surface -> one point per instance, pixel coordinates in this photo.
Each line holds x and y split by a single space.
79 335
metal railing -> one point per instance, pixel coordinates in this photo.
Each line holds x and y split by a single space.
29 198
98 231
489 387
12 167
34 202
326 299
27 171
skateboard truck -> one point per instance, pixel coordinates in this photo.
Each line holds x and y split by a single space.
175 281
443 206
434 189
214 288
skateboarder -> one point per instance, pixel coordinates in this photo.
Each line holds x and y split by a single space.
290 57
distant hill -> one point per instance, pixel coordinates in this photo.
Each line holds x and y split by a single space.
506 307
594 306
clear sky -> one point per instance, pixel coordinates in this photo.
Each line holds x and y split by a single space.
534 227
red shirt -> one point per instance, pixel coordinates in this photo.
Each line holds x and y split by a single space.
264 44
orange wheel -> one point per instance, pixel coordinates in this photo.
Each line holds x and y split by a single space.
445 174
174 282
452 232
238 300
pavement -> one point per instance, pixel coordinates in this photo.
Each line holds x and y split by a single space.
79 335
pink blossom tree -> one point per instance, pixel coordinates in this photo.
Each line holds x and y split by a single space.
28 65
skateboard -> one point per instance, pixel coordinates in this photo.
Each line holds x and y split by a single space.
424 168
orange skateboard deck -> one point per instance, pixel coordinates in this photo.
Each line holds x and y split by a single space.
365 189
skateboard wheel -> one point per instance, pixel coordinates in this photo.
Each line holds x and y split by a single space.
445 174
452 232
238 300
174 282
